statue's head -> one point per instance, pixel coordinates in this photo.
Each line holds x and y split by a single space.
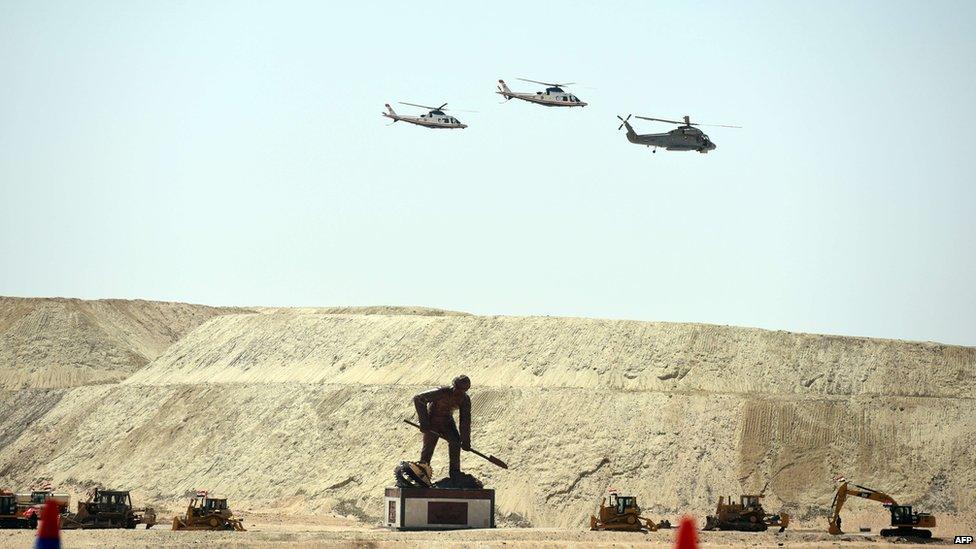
461 384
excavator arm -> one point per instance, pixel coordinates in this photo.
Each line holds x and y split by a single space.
840 498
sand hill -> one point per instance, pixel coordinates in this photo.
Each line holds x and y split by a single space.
301 408
54 343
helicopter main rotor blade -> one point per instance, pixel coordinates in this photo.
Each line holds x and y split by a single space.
658 119
416 105
551 84
442 106
715 125
685 123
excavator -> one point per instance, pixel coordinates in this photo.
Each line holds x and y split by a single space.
904 521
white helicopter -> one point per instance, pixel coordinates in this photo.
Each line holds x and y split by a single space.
435 118
683 138
554 96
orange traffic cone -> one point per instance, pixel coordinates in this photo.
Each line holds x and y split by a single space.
49 530
687 537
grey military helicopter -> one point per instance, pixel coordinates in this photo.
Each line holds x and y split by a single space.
554 96
435 118
685 137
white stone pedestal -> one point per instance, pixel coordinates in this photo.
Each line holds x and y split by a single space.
438 509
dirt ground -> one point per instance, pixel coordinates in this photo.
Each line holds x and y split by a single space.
267 531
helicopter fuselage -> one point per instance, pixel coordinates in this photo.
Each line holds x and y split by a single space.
684 138
435 119
554 96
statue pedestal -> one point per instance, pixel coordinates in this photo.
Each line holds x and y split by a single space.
438 509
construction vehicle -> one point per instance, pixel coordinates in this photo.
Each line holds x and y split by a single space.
206 512
108 509
904 521
746 516
24 510
8 512
623 513
29 504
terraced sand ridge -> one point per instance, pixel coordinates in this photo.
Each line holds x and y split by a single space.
58 343
285 346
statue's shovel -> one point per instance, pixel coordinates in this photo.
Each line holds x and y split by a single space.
492 459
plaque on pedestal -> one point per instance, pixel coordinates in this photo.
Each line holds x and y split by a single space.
438 508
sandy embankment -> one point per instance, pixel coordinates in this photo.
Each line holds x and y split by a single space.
299 411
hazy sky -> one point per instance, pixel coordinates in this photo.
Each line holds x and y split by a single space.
233 153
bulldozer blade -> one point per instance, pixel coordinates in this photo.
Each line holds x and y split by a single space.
782 520
492 459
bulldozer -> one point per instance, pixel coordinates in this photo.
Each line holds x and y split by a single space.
904 521
746 516
206 512
108 509
624 514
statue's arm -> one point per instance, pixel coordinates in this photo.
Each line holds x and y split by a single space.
420 402
465 413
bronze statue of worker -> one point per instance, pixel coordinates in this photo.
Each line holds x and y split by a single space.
435 410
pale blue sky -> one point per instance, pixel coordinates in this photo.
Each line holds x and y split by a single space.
233 153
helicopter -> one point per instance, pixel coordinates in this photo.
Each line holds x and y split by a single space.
554 96
435 118
683 138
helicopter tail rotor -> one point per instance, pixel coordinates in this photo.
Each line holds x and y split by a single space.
503 90
623 121
390 113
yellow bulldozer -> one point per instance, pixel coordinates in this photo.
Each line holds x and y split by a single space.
746 516
108 509
206 512
623 513
904 521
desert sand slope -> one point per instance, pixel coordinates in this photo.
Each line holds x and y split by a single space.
365 310
56 343
300 410
285 346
